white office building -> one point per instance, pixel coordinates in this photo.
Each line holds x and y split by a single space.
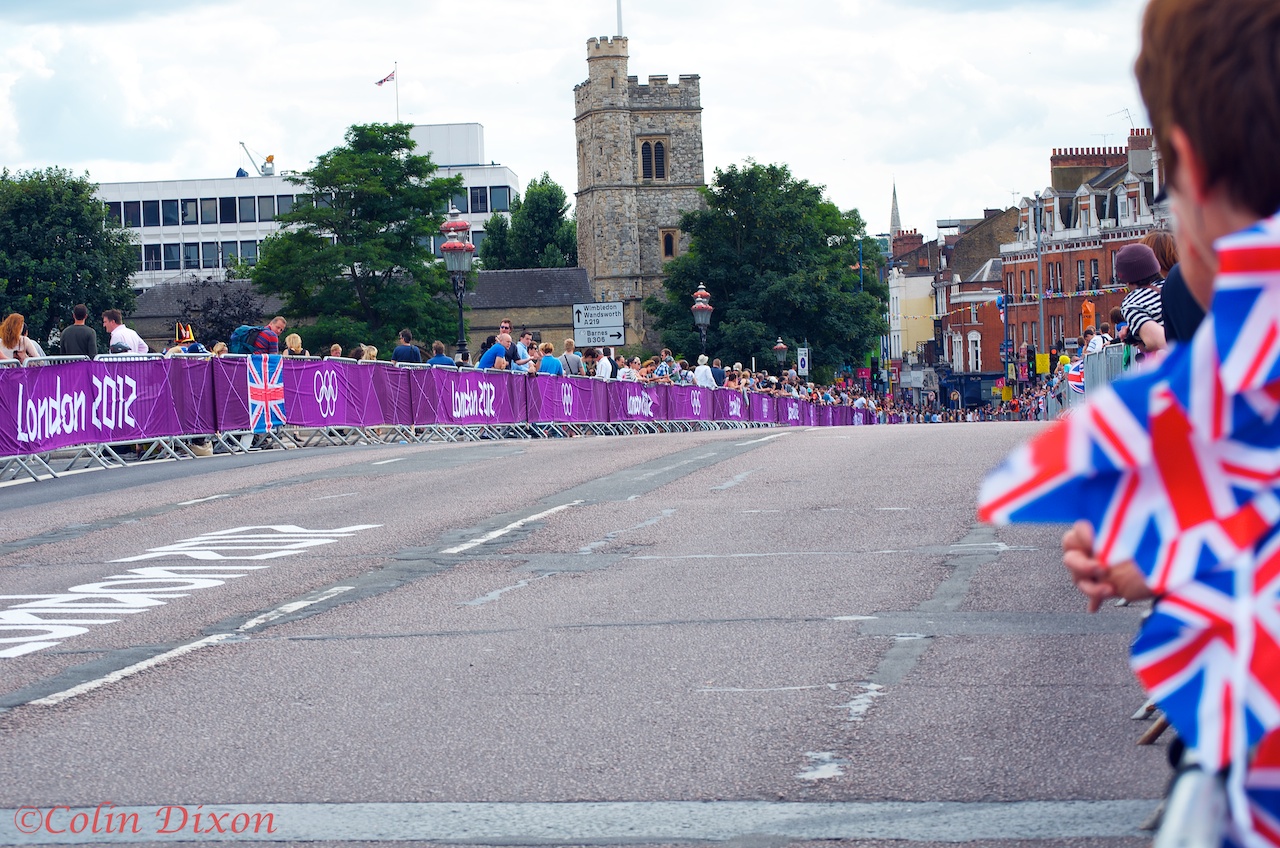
190 228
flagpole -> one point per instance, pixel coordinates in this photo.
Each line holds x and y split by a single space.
395 68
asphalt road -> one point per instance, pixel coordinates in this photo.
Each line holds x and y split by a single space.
758 638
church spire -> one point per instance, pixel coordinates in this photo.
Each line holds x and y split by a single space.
895 221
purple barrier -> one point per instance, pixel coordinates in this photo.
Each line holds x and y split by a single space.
390 399
324 394
474 397
560 399
689 403
635 402
789 412
730 405
77 403
763 408
809 413
193 400
825 416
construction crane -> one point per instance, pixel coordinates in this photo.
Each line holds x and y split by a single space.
268 167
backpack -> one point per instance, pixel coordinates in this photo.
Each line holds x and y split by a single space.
244 339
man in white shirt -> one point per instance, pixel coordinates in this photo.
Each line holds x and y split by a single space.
123 340
1093 342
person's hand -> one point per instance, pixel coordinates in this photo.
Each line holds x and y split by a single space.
1095 580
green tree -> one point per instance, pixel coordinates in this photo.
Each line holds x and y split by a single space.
495 250
542 233
778 260
57 249
356 253
215 309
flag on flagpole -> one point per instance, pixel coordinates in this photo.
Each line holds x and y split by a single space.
388 78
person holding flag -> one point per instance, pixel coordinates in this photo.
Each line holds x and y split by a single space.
1173 475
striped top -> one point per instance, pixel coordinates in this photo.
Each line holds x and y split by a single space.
1141 306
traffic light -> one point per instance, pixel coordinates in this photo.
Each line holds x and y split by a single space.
875 364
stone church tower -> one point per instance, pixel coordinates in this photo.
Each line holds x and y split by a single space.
639 167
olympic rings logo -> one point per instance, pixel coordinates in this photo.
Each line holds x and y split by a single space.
325 384
566 398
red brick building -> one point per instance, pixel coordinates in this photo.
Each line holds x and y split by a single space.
1098 200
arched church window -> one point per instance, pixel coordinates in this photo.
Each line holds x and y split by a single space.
646 161
659 161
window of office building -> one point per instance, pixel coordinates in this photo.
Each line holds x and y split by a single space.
150 213
113 212
267 207
284 204
479 199
477 238
459 202
132 213
230 251
499 198
172 257
137 258
191 255
227 210
249 252
248 210
209 254
208 210
151 258
190 211
169 213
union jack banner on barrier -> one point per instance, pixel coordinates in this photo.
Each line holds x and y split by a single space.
1075 376
1177 469
266 392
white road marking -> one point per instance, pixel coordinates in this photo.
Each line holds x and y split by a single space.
735 481
327 497
758 441
285 609
202 500
129 671
861 703
822 766
389 461
515 525
854 618
498 593
774 689
649 522
756 556
893 508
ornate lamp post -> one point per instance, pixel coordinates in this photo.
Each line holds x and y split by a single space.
702 312
780 352
458 251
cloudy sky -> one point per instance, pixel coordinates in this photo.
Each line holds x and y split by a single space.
959 101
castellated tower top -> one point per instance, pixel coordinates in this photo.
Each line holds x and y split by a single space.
599 48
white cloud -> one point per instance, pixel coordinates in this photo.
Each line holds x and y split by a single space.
958 102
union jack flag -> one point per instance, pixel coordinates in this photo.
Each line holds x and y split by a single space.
1179 470
388 78
1075 376
266 392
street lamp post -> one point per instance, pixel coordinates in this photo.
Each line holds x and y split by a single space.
1040 348
458 252
780 352
702 310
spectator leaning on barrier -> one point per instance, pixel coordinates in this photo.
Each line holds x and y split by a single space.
570 360
1138 268
268 340
549 364
293 346
11 338
438 356
702 374
123 339
495 356
407 351
79 339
